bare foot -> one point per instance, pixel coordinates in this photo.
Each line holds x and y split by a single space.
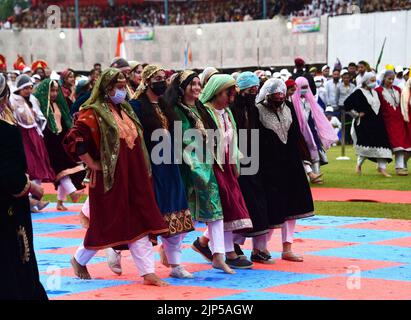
75 196
42 204
153 280
219 263
79 270
290 256
163 257
384 173
84 221
60 206
358 170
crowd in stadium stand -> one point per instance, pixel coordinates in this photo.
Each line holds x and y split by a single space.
341 7
196 12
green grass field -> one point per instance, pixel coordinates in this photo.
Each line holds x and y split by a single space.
341 174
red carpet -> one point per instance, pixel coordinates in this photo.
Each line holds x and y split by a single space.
333 194
384 196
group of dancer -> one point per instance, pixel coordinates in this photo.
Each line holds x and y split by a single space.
107 139
113 136
381 125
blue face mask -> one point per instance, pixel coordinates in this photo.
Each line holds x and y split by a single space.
119 96
304 92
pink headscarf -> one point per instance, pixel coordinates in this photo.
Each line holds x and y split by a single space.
324 129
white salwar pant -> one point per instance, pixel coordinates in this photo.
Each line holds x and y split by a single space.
86 208
382 163
172 248
220 241
400 160
65 188
141 251
260 242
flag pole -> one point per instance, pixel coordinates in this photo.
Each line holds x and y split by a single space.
381 54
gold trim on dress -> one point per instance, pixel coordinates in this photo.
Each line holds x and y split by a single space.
179 222
24 245
70 171
25 189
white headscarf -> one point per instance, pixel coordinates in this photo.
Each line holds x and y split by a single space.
281 120
367 77
207 74
271 86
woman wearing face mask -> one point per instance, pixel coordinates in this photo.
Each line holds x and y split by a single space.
153 86
108 137
305 153
368 130
32 123
18 263
199 180
288 192
158 117
321 96
318 133
397 129
246 117
217 95
69 174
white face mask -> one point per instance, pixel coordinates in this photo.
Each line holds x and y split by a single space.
318 84
372 85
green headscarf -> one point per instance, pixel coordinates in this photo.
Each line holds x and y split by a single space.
215 85
109 136
42 93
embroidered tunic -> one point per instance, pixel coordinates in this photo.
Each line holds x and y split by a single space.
399 131
368 132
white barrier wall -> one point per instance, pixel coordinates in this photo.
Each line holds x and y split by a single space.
360 37
223 45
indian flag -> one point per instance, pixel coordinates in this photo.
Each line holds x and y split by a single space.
121 45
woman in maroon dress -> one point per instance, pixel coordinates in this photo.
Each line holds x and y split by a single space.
397 129
108 137
217 95
69 174
31 123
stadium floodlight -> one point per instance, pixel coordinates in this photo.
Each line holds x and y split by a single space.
199 31
62 35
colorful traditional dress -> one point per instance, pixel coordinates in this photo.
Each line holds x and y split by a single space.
123 207
58 123
236 216
31 123
285 182
397 129
369 132
168 184
317 131
198 176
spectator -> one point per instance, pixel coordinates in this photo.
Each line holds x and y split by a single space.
331 87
